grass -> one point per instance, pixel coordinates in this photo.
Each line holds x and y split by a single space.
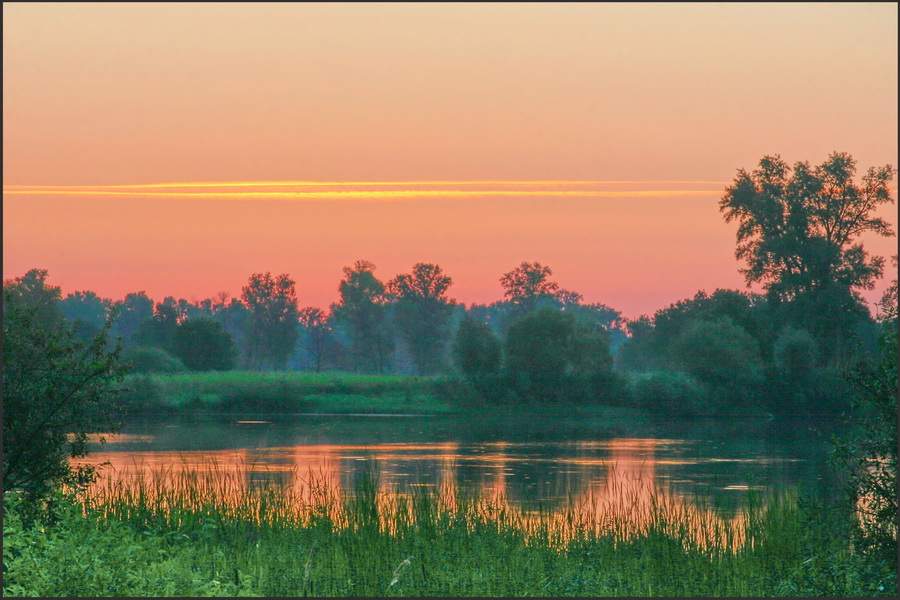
197 533
283 392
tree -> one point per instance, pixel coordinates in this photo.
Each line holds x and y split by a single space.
870 452
159 330
272 323
719 353
86 311
477 354
53 385
422 314
203 345
798 232
363 309
528 287
31 290
317 325
136 308
551 356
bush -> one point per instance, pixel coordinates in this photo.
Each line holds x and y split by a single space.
476 353
54 386
149 359
550 356
203 345
669 393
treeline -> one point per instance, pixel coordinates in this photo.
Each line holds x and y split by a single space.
404 326
781 351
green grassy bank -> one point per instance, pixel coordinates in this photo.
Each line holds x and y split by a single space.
283 392
207 535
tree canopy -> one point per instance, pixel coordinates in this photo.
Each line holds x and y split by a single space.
798 231
422 314
272 321
54 384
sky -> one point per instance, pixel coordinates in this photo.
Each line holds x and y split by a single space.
177 148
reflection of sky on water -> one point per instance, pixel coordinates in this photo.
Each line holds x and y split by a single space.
616 480
702 473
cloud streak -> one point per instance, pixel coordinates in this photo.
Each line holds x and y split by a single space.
376 190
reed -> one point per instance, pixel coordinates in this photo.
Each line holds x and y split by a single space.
212 531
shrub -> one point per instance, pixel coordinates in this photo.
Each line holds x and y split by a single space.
54 385
149 359
669 392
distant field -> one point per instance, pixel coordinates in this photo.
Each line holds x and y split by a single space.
284 392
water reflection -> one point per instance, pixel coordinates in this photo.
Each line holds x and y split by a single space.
598 479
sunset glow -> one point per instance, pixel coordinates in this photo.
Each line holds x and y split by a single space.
149 147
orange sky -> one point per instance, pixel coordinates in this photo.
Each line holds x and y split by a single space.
655 105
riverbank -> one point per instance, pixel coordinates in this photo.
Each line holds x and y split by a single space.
286 392
301 392
207 535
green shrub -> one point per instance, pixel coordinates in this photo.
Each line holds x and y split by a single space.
149 359
669 392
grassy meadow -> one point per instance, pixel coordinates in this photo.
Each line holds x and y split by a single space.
208 534
283 392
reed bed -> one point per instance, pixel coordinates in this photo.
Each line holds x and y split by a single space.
214 531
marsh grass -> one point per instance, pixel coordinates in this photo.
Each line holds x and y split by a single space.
192 532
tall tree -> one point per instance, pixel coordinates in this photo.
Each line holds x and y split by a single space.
422 314
272 323
363 309
318 329
528 287
798 232
86 311
159 330
136 308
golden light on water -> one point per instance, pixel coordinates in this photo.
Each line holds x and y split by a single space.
622 496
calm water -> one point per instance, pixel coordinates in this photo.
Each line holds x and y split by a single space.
525 460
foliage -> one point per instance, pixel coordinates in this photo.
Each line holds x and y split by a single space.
720 354
86 311
208 534
318 327
422 314
159 330
54 386
528 287
31 290
551 356
669 393
131 312
203 345
798 230
794 372
477 355
271 326
149 359
282 392
363 310
870 455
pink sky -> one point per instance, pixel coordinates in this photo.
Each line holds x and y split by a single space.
660 95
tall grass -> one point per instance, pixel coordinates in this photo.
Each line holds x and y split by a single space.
211 532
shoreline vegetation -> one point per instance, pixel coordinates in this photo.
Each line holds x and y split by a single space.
206 533
302 392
